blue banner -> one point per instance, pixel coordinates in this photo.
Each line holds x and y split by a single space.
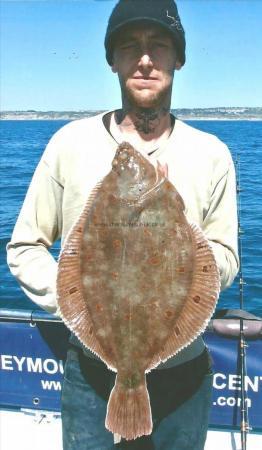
227 381
31 371
31 364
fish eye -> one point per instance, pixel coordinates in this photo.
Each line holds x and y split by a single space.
123 155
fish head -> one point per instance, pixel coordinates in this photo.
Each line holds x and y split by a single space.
136 175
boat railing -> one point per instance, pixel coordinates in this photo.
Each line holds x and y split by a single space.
226 322
27 315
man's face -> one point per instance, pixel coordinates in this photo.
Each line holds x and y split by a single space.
145 59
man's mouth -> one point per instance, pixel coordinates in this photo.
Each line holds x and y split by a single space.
143 77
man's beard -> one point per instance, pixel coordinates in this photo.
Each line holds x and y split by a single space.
132 100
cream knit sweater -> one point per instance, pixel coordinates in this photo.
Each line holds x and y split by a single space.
77 157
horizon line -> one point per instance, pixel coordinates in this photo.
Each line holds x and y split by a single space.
102 109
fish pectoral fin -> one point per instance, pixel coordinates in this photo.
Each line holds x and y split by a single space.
129 411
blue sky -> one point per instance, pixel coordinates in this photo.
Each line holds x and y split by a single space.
52 55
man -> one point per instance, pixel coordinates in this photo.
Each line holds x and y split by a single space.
145 44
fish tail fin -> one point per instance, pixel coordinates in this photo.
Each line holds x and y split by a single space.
129 411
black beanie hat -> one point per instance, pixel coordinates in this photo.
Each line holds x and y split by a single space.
160 12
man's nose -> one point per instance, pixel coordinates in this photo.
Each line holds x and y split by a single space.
145 60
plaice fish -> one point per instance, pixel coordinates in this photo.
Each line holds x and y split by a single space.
136 282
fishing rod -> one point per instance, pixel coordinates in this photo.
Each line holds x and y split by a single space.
244 426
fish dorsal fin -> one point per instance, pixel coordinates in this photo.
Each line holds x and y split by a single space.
72 306
200 302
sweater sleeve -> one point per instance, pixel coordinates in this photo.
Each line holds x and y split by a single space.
221 225
38 226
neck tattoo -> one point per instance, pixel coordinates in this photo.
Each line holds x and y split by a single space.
145 120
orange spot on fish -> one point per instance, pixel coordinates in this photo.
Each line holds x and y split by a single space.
154 260
196 299
88 257
115 275
128 316
112 198
99 307
180 269
73 290
79 230
206 268
168 314
117 244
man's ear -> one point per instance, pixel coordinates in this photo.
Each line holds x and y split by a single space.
178 65
113 68
113 65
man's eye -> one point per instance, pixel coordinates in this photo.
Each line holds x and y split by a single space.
161 44
128 46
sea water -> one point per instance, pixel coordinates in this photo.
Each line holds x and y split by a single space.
23 141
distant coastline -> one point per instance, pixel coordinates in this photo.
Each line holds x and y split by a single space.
222 113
